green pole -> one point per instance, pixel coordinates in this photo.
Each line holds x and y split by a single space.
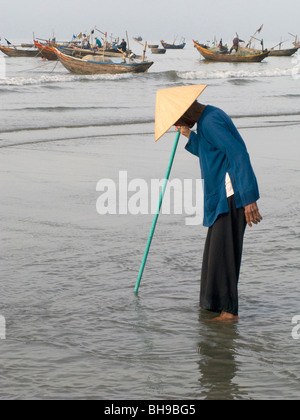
157 213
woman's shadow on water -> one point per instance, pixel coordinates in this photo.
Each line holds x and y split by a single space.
218 363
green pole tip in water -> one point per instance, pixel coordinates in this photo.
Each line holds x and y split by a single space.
140 275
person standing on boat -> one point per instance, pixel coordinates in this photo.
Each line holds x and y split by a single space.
123 45
221 47
85 43
235 44
230 195
98 43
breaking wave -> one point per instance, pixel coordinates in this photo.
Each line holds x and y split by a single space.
65 78
170 75
236 74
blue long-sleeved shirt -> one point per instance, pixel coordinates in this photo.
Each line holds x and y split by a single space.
221 149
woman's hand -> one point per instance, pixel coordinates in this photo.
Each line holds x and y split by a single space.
252 214
184 130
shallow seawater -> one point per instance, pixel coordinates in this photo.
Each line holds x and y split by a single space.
74 327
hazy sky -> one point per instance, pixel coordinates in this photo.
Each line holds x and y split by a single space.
152 19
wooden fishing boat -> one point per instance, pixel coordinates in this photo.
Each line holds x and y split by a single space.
108 52
46 51
252 50
66 50
81 52
87 66
158 50
16 52
230 58
173 46
284 52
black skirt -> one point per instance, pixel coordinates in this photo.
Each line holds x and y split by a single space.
222 260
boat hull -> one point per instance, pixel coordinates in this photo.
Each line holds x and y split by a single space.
158 50
172 46
46 51
228 58
283 53
15 52
80 52
79 66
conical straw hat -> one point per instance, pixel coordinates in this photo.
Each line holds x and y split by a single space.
171 104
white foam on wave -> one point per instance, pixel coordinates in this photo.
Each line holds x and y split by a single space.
40 80
238 74
186 75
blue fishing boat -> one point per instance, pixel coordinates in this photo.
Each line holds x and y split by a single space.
173 46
